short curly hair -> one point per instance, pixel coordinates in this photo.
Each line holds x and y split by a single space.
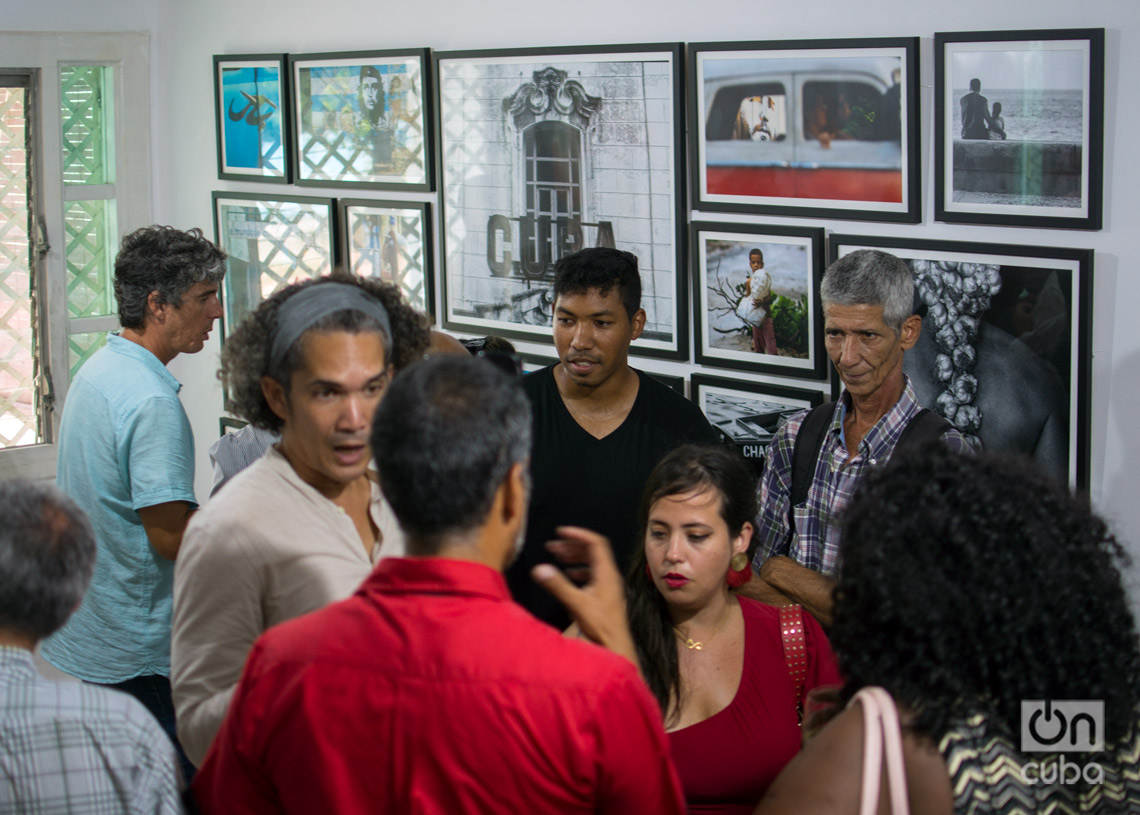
166 260
600 268
245 355
967 584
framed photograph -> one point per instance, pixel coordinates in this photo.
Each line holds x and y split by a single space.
545 152
271 242
1006 344
756 298
1019 123
748 412
823 128
362 119
391 241
536 362
228 425
677 383
251 117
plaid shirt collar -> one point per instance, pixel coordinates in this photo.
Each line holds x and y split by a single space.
881 439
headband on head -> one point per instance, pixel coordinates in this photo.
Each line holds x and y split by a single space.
310 305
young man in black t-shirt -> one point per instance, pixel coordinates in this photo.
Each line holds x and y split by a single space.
599 425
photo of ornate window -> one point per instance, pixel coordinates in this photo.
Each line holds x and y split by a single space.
547 153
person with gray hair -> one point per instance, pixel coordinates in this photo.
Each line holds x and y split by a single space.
303 525
126 456
65 746
818 456
470 703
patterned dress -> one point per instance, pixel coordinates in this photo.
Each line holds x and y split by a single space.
989 775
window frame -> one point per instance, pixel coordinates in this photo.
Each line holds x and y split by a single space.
42 55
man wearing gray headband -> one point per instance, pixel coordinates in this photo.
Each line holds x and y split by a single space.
302 526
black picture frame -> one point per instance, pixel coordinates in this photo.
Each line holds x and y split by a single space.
603 129
345 138
793 263
1051 84
1011 344
391 241
252 121
228 424
536 362
272 241
829 148
747 412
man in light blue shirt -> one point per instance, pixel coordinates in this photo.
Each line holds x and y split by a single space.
65 747
126 455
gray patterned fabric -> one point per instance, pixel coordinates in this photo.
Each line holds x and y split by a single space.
68 747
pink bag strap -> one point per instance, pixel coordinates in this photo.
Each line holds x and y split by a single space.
881 734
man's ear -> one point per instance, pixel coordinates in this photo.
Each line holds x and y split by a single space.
275 395
911 329
638 323
156 310
515 497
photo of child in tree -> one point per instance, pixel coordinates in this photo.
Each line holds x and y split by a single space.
757 298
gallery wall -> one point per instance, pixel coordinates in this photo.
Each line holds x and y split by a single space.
186 35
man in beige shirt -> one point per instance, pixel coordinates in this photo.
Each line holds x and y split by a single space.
304 525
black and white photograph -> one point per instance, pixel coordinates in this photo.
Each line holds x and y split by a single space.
545 152
1019 127
1005 348
749 412
756 298
362 119
806 127
272 242
391 241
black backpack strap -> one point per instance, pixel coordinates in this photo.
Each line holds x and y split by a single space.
923 426
926 425
805 453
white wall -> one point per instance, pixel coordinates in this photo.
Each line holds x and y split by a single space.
187 34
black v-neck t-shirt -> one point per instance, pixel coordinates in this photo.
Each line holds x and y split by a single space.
579 480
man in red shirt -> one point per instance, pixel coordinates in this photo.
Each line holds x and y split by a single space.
429 690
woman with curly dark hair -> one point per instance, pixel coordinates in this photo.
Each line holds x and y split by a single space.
304 524
975 590
716 662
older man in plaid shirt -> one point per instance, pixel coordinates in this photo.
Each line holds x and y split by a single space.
869 322
65 747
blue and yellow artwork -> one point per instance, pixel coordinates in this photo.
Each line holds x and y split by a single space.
251 119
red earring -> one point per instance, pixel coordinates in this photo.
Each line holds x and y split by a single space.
740 571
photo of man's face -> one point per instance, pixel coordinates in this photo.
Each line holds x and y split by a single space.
370 91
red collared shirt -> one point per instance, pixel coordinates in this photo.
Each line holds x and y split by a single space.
430 691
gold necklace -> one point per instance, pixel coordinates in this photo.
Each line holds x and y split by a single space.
697 645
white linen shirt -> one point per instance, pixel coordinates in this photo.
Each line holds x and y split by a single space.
267 548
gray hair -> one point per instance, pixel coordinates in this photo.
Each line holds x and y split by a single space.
47 554
166 260
445 437
868 277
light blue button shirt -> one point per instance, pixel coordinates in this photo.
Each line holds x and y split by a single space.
125 443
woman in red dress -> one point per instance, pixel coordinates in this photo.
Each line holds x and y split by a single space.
715 661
